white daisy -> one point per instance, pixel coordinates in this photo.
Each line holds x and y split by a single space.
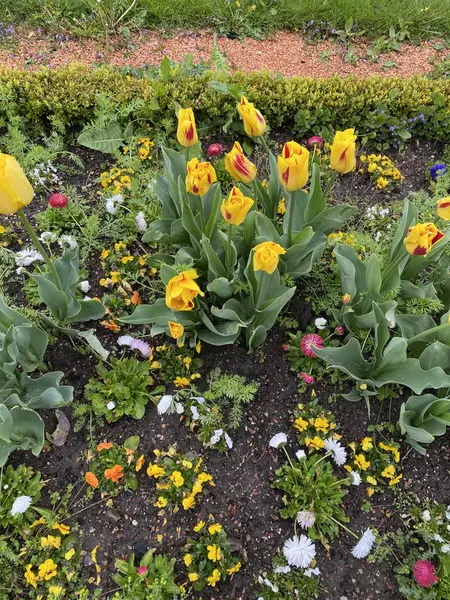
306 518
199 399
284 570
218 433
179 408
320 323
85 286
300 454
299 551
20 505
364 546
48 237
445 548
195 413
426 515
356 477
228 441
164 404
277 440
124 340
270 585
111 405
26 257
337 450
438 538
67 241
111 207
141 223
311 572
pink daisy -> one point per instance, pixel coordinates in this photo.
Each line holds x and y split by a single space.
340 330
142 570
309 379
424 573
308 341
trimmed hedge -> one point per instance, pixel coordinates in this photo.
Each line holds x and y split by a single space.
386 109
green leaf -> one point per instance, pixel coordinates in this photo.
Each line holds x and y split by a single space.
103 139
373 277
56 300
222 287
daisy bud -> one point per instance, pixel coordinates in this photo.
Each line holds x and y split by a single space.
214 150
58 201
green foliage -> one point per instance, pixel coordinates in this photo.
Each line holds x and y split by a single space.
125 384
422 418
232 392
288 584
15 482
156 583
310 485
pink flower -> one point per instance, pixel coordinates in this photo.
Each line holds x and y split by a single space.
58 201
214 150
308 341
315 140
309 379
340 330
285 347
142 570
142 347
424 573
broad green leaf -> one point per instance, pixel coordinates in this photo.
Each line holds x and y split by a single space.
103 139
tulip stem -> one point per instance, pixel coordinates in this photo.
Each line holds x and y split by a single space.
228 250
428 332
290 218
202 214
40 248
264 144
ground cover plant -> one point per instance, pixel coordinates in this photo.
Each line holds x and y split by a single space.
224 330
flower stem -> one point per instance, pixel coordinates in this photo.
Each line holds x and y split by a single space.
290 218
342 525
431 331
228 251
202 214
264 144
40 248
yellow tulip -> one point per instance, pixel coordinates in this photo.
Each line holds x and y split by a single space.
254 123
421 238
176 330
200 176
238 165
235 208
266 256
293 166
182 289
343 151
15 189
186 131
443 208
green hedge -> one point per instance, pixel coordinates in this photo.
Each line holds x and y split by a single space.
384 108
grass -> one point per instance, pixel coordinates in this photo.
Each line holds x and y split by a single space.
421 18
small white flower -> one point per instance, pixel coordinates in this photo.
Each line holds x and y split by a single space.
445 548
338 452
300 454
26 257
277 440
447 513
270 585
111 207
124 340
299 551
384 212
216 436
320 323
377 236
67 241
306 518
426 515
179 408
356 477
286 569
199 399
195 413
311 572
85 286
111 405
438 538
228 441
48 237
364 546
164 404
141 223
20 505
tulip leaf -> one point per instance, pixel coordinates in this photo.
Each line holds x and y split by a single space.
317 202
333 218
222 287
90 310
103 139
55 299
257 337
410 216
215 265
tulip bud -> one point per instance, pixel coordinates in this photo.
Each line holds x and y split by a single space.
235 208
293 166
200 176
254 123
285 347
214 150
58 201
346 299
443 208
238 165
343 151
267 256
15 189
186 131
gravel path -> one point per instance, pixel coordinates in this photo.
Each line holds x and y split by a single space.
284 53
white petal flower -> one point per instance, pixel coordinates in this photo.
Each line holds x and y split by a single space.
447 513
284 570
26 257
164 404
124 340
356 477
111 207
111 405
337 450
364 546
141 223
306 518
277 440
426 515
179 408
195 414
216 436
438 538
199 399
311 572
445 548
85 286
320 323
270 585
299 551
48 237
67 241
300 454
228 441
20 505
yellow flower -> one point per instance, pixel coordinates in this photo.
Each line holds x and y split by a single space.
188 502
254 123
267 256
443 208
389 472
343 151
204 477
186 131
30 577
321 424
187 464
395 480
64 529
181 381
39 521
238 165
15 189
198 347
214 553
161 502
301 424
361 462
47 569
177 479
281 210
139 463
2 229
187 558
235 208
176 330
421 238
193 576
197 488
214 578
215 528
181 291
155 471
126 259
56 590
316 442
367 444
371 480
293 166
346 299
187 361
234 569
195 376
69 554
370 492
200 176
51 542
199 526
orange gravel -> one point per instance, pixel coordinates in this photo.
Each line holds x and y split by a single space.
284 53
